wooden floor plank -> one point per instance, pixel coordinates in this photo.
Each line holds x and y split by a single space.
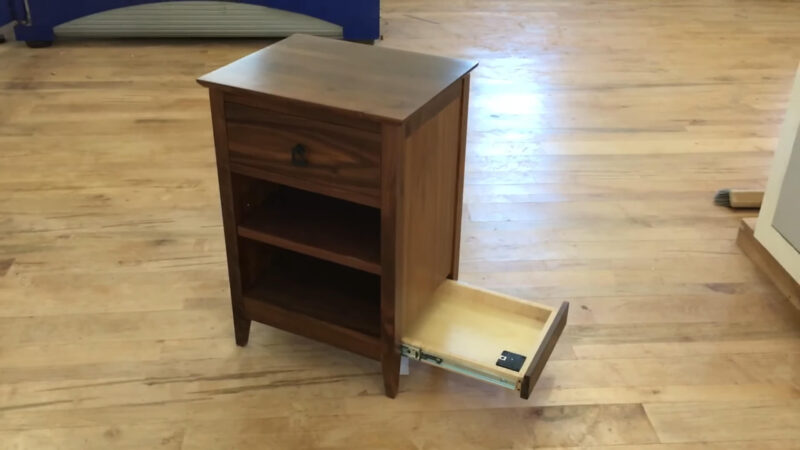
162 437
726 421
741 445
497 428
599 132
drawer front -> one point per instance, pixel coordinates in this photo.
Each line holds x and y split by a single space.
318 156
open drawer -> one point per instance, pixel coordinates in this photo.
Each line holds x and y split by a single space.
485 335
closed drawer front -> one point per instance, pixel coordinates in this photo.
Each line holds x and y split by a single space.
318 156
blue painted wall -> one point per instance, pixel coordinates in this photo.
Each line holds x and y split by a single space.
5 12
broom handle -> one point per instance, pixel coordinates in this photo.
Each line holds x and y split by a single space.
746 199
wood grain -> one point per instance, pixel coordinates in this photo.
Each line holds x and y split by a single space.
430 158
459 202
766 262
392 242
287 317
741 198
711 421
318 226
390 85
345 158
470 328
324 290
546 346
315 112
618 120
322 154
231 215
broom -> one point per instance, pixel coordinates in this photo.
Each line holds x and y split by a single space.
739 198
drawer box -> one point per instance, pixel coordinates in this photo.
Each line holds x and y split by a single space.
310 154
492 337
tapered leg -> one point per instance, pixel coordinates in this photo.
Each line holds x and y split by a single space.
241 327
390 365
231 215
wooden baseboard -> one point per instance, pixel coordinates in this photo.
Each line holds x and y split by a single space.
764 260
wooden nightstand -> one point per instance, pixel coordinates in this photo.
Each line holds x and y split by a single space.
341 173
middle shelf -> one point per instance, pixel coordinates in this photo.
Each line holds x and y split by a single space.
315 225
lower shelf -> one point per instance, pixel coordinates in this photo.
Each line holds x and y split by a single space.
303 325
317 299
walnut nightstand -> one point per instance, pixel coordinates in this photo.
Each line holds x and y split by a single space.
341 171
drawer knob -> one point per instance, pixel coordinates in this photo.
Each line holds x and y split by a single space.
299 156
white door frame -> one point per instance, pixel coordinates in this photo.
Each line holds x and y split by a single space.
767 235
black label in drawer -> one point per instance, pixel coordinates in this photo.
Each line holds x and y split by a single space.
511 360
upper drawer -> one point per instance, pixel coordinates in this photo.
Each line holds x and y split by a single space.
323 157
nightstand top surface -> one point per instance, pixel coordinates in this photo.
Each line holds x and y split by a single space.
376 82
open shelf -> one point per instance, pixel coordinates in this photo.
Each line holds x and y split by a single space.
316 225
314 298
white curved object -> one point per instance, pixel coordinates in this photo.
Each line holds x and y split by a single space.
196 19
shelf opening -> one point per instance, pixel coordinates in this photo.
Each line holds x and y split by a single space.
342 297
310 223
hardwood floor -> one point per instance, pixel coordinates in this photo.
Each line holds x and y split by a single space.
599 132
